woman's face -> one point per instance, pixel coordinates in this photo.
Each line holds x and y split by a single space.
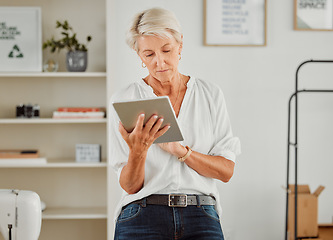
160 55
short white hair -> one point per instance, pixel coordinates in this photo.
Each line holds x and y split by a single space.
155 21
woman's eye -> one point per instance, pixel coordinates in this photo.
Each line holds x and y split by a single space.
149 55
166 51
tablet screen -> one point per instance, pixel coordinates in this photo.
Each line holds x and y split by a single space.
128 112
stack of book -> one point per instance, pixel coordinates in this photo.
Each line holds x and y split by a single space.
9 157
79 112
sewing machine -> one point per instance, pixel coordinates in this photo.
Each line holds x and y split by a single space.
20 215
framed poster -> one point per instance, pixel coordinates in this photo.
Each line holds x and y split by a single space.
235 22
313 15
20 39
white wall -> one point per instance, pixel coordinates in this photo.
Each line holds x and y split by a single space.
257 82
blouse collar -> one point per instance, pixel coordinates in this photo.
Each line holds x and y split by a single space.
150 90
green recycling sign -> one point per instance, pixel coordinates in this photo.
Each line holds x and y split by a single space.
15 52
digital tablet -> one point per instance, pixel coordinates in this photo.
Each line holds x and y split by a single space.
128 112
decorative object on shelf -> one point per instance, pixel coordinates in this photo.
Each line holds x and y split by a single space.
235 23
313 15
88 153
20 39
27 111
77 52
76 61
20 111
50 66
36 111
79 112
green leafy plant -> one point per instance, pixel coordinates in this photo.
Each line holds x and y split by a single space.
69 40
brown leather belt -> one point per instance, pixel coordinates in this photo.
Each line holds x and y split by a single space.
177 200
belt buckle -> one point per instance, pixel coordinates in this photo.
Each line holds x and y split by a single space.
177 200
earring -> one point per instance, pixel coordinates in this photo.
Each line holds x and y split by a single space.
143 65
180 56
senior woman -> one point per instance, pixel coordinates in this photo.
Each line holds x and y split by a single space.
169 189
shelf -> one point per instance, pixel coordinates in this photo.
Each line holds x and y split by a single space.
51 120
56 163
76 194
75 213
53 74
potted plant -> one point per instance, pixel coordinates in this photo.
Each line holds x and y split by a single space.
76 58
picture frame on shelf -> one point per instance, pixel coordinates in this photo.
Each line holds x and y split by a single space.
88 153
235 23
20 39
313 15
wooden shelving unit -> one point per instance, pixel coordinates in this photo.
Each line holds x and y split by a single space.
75 193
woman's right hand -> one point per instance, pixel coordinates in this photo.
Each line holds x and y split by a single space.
143 136
139 140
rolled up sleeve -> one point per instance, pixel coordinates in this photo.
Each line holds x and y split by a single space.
226 145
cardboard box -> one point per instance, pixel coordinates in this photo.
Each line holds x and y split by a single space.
326 231
307 211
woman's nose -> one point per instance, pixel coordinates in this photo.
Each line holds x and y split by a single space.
160 60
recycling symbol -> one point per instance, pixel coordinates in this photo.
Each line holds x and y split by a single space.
15 53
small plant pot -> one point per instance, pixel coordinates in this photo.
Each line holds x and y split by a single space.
76 61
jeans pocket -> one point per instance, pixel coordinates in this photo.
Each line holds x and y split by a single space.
129 212
210 212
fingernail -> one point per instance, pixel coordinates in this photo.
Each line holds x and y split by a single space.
155 117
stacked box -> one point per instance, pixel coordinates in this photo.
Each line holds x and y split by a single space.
326 231
307 212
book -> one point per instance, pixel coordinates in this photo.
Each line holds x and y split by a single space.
79 112
19 154
57 114
80 109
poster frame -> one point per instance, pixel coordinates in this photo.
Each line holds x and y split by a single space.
247 42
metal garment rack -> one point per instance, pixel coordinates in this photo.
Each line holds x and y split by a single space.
295 143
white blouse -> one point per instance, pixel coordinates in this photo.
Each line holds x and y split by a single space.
204 122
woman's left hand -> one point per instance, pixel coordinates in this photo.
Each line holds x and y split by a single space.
216 167
174 148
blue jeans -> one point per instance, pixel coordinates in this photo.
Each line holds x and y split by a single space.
155 222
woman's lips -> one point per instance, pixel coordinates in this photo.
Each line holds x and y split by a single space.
161 71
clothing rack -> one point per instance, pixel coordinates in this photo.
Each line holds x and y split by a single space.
295 143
